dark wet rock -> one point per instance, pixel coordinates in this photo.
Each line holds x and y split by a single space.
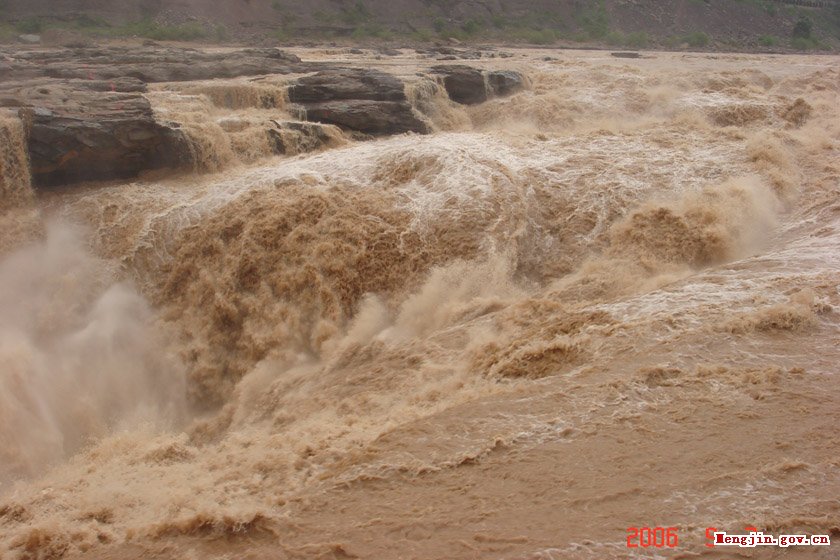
347 83
469 86
377 118
76 135
505 82
362 100
463 84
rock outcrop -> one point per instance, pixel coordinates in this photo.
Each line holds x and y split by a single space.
377 118
470 86
347 83
77 134
362 100
150 64
88 118
463 84
505 82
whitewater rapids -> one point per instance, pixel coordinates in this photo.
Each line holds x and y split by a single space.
609 301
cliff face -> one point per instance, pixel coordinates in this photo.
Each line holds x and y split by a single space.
724 20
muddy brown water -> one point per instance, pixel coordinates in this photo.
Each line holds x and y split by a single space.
609 301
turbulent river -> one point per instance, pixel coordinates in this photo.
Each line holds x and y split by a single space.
608 301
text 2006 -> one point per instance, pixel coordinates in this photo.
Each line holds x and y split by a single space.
652 537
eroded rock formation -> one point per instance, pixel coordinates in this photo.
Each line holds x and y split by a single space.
88 116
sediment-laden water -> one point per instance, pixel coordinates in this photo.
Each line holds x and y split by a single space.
609 301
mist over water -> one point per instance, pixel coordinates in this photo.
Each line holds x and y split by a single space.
574 299
80 355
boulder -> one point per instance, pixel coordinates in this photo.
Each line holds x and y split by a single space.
376 118
77 135
505 82
463 84
347 83
358 99
469 86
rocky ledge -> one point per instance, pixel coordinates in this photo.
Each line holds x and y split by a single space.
470 86
359 99
92 130
88 117
149 64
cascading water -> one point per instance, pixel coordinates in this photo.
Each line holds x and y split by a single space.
571 299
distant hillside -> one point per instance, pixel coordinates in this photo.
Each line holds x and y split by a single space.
717 24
